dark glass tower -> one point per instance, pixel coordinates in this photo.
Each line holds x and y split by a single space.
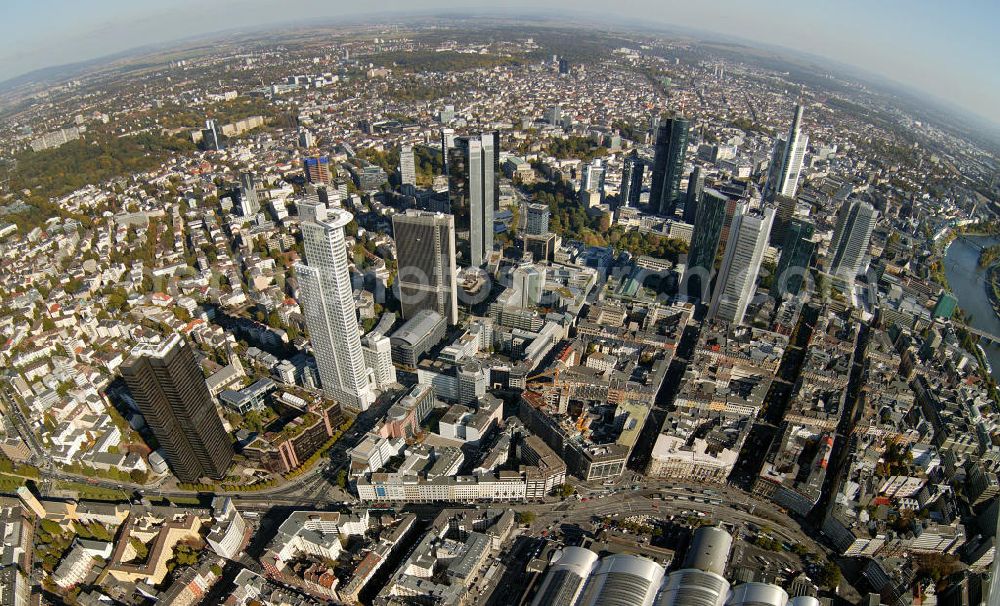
632 180
705 242
796 255
169 388
427 278
696 188
473 186
668 165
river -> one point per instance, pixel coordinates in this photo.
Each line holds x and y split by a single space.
968 282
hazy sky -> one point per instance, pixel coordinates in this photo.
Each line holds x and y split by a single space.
949 49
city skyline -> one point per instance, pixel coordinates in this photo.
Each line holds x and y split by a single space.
960 63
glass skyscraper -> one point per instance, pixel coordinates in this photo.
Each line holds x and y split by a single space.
796 254
668 165
631 180
473 186
705 242
427 278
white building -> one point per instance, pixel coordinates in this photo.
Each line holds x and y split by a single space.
371 454
78 563
378 357
786 161
407 166
328 306
230 530
737 278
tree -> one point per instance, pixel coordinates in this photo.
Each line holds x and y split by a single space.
830 575
525 517
342 478
566 490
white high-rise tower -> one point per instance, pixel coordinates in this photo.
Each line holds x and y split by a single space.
748 236
407 166
786 161
328 306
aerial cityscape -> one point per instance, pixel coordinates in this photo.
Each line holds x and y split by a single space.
453 310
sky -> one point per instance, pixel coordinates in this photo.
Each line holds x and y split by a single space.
949 50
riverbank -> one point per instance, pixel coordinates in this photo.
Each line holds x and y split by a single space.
993 287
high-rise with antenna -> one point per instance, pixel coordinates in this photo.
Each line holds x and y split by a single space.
786 160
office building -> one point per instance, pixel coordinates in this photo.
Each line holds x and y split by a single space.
249 202
695 191
427 276
447 114
416 337
210 136
529 283
593 177
328 305
740 264
447 141
377 351
407 166
631 180
668 165
307 139
785 211
786 160
169 388
796 254
473 185
855 222
554 115
704 243
317 169
536 219
541 248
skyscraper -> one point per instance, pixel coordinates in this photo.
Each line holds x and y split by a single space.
632 180
855 222
427 277
210 136
169 387
695 191
786 210
407 166
740 264
249 202
328 305
704 243
473 187
786 161
447 141
537 219
796 253
668 165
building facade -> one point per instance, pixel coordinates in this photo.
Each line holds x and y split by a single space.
328 305
169 388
